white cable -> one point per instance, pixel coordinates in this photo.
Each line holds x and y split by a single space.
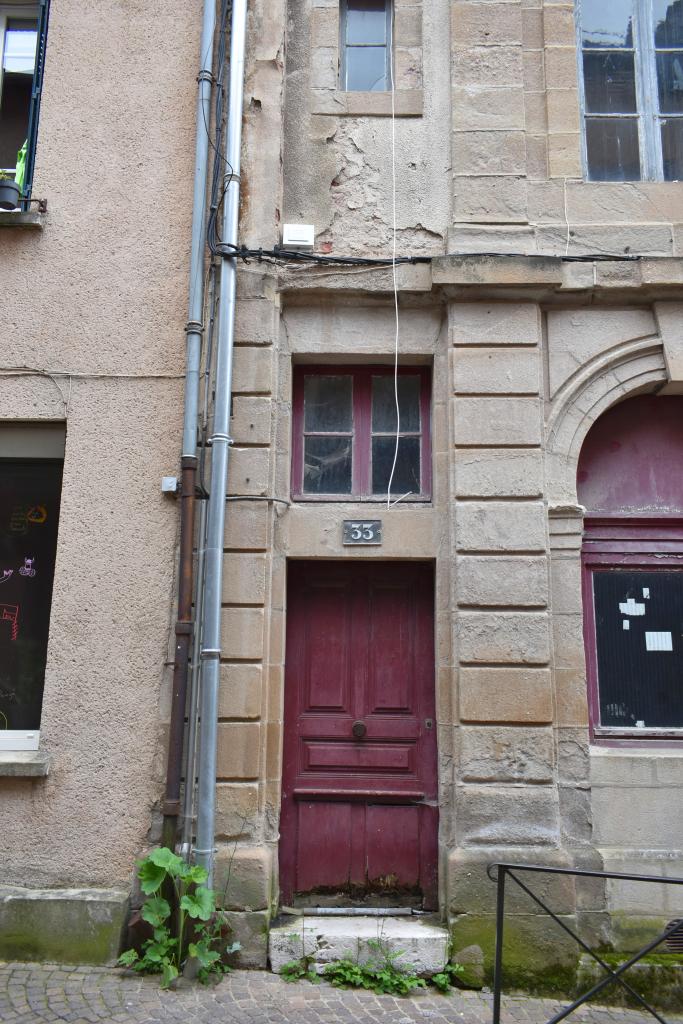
393 268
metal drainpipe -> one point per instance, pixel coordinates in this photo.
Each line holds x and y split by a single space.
220 441
194 330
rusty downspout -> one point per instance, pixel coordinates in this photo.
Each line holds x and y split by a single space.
194 331
183 641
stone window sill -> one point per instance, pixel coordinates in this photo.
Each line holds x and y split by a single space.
407 103
24 764
27 221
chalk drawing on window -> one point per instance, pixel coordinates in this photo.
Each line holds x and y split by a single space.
28 568
6 574
18 521
10 613
37 515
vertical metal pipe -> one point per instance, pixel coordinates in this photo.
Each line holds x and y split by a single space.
220 442
183 628
190 763
498 966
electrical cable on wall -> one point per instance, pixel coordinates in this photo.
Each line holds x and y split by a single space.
394 280
280 256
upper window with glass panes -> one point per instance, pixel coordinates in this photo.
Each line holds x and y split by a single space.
631 67
18 46
360 432
365 51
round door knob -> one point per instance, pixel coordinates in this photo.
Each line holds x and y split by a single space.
359 730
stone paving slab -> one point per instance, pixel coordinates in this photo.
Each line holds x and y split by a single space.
32 993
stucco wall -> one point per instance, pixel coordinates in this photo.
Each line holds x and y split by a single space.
98 298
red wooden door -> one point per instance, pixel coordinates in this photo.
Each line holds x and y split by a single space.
359 808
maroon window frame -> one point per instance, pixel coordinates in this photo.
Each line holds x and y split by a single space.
361 473
612 543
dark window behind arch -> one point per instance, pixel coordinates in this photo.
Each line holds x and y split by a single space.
630 479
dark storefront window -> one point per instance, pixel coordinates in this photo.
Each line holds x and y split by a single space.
30 492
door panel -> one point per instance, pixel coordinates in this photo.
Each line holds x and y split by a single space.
358 807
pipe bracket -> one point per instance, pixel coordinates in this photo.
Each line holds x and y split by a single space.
194 327
210 652
220 437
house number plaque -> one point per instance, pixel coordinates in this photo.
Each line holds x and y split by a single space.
362 531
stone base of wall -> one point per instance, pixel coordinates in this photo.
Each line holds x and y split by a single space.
70 926
251 931
658 979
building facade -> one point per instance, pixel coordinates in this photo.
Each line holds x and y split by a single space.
478 666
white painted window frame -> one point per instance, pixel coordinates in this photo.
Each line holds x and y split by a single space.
389 49
8 11
648 115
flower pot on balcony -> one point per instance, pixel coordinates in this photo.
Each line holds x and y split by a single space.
10 194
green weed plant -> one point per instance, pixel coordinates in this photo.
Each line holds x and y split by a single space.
190 929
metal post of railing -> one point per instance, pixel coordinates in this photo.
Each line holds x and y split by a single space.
498 967
613 976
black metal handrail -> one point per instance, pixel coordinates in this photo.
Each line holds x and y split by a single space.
613 976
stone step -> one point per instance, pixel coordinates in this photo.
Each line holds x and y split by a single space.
421 941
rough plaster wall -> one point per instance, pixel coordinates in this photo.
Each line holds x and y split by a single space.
338 170
103 290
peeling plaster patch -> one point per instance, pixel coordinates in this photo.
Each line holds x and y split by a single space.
660 641
631 607
361 203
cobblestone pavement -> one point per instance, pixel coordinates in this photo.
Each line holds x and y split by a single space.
31 993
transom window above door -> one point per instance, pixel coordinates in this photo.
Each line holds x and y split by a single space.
631 69
345 428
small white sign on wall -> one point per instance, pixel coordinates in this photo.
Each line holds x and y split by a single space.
661 641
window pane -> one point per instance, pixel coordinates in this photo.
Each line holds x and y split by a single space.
639 663
672 149
670 82
384 402
366 68
328 403
327 465
366 22
610 83
14 114
668 22
29 514
407 471
607 23
19 52
612 146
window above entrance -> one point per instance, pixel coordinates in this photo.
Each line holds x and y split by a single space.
345 431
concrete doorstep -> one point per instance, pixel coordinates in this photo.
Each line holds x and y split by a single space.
421 941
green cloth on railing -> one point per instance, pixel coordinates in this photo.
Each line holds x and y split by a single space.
20 171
